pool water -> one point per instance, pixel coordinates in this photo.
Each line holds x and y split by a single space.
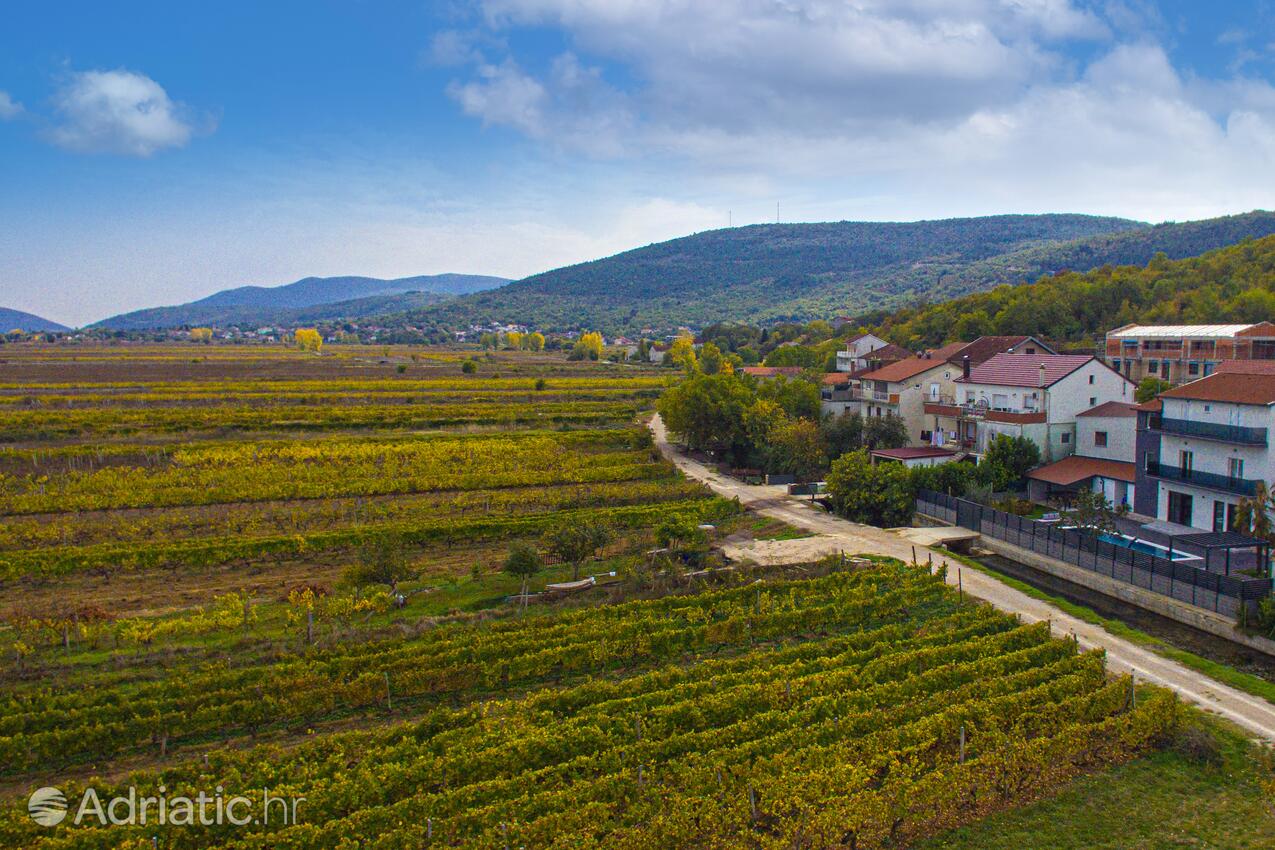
1143 546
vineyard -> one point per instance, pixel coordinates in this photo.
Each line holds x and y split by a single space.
860 709
181 606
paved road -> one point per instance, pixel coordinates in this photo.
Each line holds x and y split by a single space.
1254 714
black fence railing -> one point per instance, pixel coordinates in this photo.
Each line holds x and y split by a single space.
1209 480
1241 434
1181 581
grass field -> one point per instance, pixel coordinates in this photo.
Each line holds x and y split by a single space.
184 602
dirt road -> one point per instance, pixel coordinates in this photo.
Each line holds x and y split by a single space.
1254 714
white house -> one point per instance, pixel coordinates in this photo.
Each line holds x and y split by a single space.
855 355
1213 446
1104 459
1039 397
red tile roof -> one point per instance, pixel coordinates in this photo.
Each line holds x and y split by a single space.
1074 469
1153 405
1023 370
1112 408
836 378
1233 387
983 348
1247 367
902 370
912 452
888 352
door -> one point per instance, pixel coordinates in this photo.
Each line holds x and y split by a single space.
1219 515
934 392
1180 505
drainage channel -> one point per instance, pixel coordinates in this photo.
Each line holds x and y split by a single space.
1171 632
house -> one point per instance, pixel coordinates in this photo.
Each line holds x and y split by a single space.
1181 353
1037 397
854 356
913 456
1104 460
1207 446
900 388
924 379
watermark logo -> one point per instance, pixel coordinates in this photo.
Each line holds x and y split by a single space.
47 806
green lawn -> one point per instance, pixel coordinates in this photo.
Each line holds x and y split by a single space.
1163 800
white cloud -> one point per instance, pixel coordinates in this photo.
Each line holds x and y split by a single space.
9 108
899 108
119 112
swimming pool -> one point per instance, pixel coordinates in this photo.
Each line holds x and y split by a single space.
1144 546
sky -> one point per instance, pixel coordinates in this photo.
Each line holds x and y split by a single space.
156 152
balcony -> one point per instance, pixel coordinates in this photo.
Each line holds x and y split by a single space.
1196 478
1240 434
988 414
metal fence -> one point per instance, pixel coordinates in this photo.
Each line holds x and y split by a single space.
1183 582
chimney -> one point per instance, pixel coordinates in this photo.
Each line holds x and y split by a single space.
965 367
1042 374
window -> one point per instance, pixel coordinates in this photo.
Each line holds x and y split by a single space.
1031 350
1093 401
1186 460
1100 438
1091 379
927 436
1193 368
1219 516
1153 367
1180 508
1066 438
1115 364
1235 467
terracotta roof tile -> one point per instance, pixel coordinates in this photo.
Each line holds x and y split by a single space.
913 452
903 370
1071 470
1233 387
983 348
1112 408
1023 370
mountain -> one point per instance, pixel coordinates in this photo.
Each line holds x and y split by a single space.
262 305
803 271
11 320
1235 284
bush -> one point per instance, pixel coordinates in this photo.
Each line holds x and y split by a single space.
1198 745
469 367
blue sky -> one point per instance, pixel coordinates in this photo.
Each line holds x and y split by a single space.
151 153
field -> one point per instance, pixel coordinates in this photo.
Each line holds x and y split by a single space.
184 527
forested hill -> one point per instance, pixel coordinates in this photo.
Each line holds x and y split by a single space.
1234 284
16 320
802 271
309 299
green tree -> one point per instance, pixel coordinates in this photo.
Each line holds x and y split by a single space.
681 533
712 361
576 542
1008 459
799 397
382 561
794 355
1149 387
469 367
884 432
1092 513
842 434
797 448
523 562
883 495
707 412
